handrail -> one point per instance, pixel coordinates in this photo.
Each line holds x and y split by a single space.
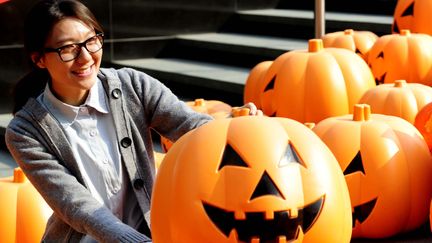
319 18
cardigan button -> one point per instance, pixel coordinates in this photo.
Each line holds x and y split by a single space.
138 184
126 142
116 93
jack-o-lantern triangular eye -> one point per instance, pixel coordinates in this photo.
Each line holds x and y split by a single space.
231 158
409 11
290 156
270 85
355 165
381 55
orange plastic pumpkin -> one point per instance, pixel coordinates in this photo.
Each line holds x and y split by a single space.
400 99
23 211
423 123
250 179
357 41
402 56
388 169
320 82
256 75
413 15
217 109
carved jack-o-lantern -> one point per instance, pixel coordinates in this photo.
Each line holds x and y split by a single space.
250 179
388 169
413 15
402 56
357 41
256 76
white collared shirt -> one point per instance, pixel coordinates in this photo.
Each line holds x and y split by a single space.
91 133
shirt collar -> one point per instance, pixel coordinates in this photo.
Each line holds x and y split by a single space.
67 114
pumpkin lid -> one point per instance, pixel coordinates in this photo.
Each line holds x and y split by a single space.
362 112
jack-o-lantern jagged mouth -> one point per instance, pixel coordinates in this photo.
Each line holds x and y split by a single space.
255 225
362 212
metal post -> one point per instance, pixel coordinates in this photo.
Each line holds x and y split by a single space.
319 18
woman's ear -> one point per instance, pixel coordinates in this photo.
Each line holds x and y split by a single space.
38 60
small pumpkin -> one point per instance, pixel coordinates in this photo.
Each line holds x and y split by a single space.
320 82
413 15
250 179
357 41
402 56
23 211
388 169
400 99
217 109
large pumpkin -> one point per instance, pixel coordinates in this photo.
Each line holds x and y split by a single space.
388 169
413 15
402 56
23 211
400 99
250 179
357 41
320 82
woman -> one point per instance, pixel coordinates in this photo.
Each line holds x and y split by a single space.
83 138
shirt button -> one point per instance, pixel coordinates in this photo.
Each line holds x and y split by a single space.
138 184
105 161
92 133
116 93
126 142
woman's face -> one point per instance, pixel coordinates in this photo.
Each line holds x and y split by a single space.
71 80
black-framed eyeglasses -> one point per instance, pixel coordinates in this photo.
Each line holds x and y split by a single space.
72 51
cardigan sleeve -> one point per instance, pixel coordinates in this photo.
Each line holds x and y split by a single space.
164 111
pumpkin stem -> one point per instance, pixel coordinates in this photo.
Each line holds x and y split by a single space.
400 83
405 32
315 45
19 176
349 32
237 111
361 112
199 102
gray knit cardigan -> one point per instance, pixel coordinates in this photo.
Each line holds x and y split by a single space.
37 142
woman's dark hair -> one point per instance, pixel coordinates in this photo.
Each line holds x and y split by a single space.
37 26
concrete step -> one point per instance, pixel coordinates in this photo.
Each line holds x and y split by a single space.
204 80
351 6
300 23
7 164
239 50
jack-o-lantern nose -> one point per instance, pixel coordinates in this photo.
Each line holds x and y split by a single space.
266 186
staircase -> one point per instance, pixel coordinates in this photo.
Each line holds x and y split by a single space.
215 65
